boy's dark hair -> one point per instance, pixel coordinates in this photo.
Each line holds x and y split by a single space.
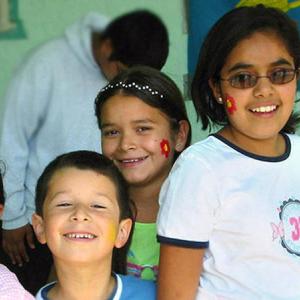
236 25
171 103
138 38
89 160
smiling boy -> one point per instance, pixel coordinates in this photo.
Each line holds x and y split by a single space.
83 213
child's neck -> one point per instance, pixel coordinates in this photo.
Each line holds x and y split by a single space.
271 147
145 199
77 282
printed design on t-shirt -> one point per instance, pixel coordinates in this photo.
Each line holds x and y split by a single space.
144 271
288 229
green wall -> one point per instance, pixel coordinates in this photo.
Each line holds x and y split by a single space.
46 19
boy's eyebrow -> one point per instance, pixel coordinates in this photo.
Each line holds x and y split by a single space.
105 196
66 192
141 121
279 62
58 193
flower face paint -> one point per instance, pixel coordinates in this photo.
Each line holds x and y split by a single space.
165 148
230 104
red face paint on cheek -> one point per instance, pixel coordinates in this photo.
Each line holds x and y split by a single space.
230 104
165 148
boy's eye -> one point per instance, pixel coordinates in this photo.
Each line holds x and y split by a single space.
64 204
98 206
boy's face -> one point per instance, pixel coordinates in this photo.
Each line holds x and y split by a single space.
81 217
110 68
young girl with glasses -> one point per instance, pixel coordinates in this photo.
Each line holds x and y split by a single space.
229 222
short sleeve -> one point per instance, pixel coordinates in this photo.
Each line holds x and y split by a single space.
188 203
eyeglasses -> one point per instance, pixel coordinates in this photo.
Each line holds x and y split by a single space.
244 80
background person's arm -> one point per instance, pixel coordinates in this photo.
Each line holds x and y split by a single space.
26 107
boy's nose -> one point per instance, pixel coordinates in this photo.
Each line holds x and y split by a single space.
80 214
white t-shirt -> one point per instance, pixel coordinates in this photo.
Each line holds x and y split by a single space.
245 210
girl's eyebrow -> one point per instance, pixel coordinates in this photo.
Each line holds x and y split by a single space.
141 121
279 62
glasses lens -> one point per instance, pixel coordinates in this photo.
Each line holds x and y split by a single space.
282 76
243 81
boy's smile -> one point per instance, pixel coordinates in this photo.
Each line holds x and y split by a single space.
79 236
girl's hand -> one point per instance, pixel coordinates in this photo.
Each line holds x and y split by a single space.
179 272
13 243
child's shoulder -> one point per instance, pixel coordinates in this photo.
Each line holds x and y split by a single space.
132 288
10 287
200 147
205 152
293 142
42 293
294 139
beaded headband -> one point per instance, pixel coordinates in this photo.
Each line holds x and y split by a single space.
132 85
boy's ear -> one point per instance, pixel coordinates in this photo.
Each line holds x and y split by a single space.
106 48
182 135
39 228
123 233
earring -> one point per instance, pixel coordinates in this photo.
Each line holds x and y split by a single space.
220 100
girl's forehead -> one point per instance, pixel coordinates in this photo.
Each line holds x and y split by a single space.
259 49
120 108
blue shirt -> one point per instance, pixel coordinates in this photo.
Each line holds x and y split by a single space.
127 288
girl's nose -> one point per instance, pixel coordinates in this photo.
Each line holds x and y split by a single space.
263 88
127 143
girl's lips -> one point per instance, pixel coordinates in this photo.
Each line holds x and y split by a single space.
131 162
264 110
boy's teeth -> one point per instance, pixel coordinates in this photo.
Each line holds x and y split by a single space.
263 109
80 236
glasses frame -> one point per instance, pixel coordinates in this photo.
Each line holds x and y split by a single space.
296 73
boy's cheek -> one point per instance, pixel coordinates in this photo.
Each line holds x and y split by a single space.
112 232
